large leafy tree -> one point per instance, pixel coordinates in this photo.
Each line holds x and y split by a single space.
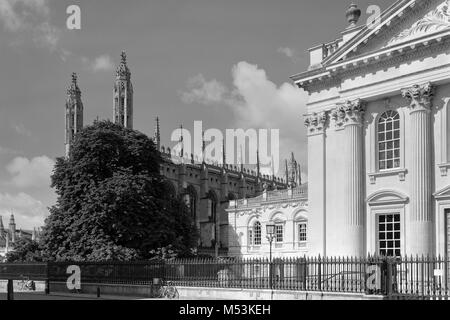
25 250
112 201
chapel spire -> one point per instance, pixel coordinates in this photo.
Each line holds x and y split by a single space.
74 112
123 95
157 136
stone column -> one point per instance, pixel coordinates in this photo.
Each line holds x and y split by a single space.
316 125
351 117
421 213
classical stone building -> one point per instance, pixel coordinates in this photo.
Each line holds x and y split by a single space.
378 134
206 186
287 209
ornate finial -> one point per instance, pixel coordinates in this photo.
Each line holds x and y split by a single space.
157 136
224 154
353 14
292 171
73 89
122 69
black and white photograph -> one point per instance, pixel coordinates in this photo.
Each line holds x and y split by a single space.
241 152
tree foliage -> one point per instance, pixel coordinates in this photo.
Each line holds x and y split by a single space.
25 250
112 201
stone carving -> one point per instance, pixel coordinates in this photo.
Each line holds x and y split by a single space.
436 20
419 95
316 122
350 112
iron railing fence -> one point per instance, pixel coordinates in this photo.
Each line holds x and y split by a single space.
18 271
401 277
425 277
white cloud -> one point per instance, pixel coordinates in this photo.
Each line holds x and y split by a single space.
31 173
203 91
101 63
20 129
31 17
289 52
28 211
257 102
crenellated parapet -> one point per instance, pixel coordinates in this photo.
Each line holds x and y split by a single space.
171 156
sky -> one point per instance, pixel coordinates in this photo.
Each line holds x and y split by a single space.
223 62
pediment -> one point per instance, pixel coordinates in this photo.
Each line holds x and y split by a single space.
384 197
443 193
403 22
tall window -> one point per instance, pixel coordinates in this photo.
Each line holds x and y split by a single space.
301 229
279 233
254 234
389 140
389 234
257 233
192 201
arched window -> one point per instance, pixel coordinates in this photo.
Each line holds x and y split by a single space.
389 140
191 201
170 189
254 234
212 206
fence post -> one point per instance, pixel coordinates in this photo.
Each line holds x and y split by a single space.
10 293
388 264
47 279
319 276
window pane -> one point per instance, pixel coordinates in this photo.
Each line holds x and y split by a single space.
388 135
389 241
390 145
389 126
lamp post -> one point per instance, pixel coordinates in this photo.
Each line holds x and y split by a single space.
270 235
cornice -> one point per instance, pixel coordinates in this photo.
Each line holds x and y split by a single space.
375 61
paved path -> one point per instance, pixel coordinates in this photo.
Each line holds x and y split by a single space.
63 296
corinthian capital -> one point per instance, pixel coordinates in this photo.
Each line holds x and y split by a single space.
419 95
349 112
316 122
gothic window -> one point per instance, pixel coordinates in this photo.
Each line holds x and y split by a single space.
389 239
170 189
192 201
212 204
389 140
